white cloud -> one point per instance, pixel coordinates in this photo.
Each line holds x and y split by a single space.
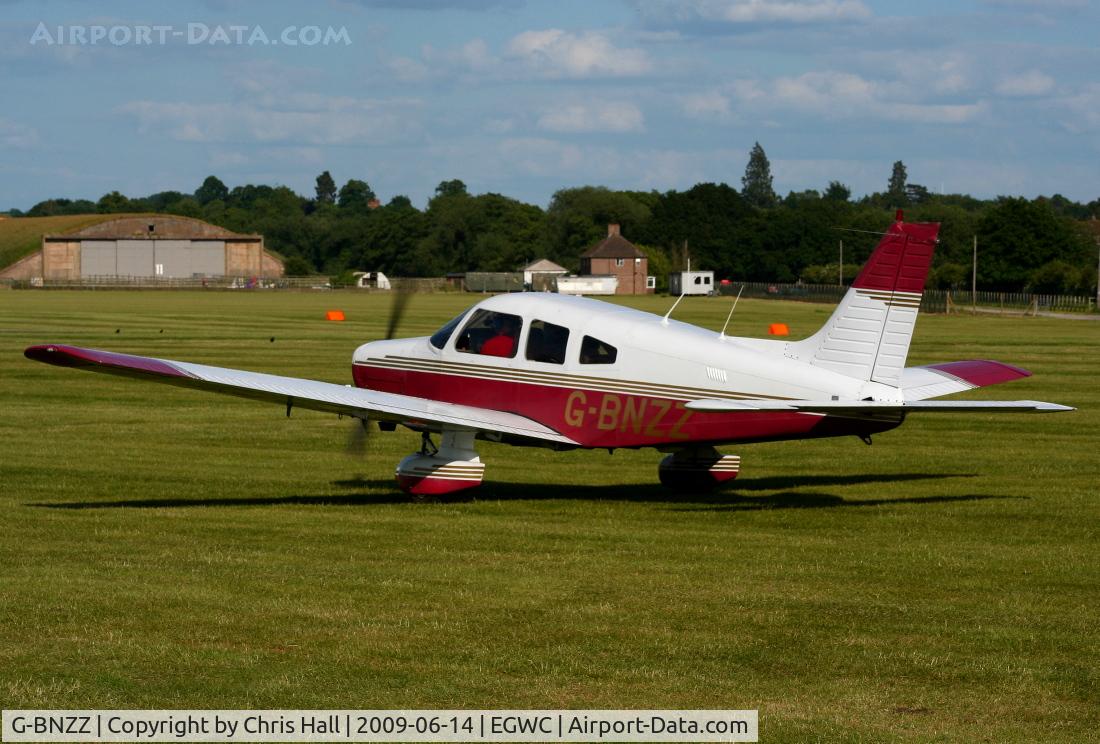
562 54
472 57
1030 83
409 70
647 168
843 95
1084 110
822 90
307 119
17 136
757 11
549 53
603 116
707 105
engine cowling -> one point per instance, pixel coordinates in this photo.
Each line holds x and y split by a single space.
698 469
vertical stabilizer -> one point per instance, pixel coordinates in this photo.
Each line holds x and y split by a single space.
868 335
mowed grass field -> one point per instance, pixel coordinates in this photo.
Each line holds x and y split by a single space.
165 548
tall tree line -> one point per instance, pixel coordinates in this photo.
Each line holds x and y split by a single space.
1043 244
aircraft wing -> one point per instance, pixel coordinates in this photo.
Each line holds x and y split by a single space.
871 407
299 393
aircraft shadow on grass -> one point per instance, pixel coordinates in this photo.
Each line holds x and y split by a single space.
775 493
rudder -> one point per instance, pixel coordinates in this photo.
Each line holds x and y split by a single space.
868 335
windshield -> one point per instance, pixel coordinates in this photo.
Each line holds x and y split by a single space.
439 338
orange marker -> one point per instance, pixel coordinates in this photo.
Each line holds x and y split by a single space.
334 315
778 329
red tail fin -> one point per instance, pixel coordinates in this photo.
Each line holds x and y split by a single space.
902 258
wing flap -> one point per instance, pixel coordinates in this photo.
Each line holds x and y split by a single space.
865 407
301 393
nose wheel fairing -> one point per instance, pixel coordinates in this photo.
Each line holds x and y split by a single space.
453 466
698 469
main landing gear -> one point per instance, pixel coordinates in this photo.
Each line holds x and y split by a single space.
452 466
455 466
698 469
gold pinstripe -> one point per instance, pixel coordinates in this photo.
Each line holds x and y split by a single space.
552 379
892 298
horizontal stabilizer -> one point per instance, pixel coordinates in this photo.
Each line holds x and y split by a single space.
934 380
857 407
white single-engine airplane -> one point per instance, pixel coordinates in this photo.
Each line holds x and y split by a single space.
563 372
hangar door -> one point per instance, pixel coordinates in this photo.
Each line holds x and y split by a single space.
188 258
97 258
134 257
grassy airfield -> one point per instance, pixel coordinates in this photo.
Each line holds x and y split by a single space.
166 548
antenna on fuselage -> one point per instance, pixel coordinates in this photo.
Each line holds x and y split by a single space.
664 320
722 335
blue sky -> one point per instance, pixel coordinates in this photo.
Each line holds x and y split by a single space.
523 98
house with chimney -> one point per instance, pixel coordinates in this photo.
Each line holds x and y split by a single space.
616 256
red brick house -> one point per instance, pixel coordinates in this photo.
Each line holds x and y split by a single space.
616 256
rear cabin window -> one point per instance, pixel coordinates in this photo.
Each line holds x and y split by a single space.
546 342
490 334
440 337
594 351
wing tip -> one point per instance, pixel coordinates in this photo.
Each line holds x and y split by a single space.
61 355
55 354
981 372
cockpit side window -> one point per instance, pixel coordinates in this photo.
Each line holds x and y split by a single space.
440 337
546 342
594 351
491 334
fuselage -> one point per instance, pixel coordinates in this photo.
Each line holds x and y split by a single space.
634 400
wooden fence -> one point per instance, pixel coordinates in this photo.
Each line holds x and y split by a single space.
430 284
933 300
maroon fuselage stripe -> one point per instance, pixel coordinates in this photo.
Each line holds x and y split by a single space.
602 419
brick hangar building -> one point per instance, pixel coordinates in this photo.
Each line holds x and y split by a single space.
148 246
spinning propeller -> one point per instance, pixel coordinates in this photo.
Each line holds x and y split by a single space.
360 430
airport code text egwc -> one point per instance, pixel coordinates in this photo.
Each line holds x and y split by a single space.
526 725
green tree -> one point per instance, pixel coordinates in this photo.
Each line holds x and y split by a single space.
212 189
53 207
1017 236
895 189
659 265
355 195
188 206
578 217
722 231
756 184
325 190
113 202
453 187
917 194
838 191
297 266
